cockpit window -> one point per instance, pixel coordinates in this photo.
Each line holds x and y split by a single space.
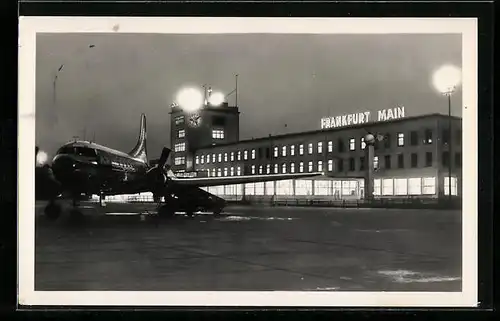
86 152
66 150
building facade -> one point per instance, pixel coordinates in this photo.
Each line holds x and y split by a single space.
208 126
412 158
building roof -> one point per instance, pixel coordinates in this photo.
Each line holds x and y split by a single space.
312 132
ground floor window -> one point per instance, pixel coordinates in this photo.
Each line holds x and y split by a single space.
284 187
269 188
322 187
453 186
259 188
303 187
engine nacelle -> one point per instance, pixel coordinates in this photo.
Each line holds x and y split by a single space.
157 179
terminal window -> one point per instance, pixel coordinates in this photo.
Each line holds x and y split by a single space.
320 147
387 141
260 169
245 154
283 168
202 158
301 167
401 139
218 133
340 165
428 136
239 155
179 120
284 187
232 156
320 166
283 151
330 165
275 168
453 186
429 185
301 149
292 167
213 158
219 157
375 162
276 151
303 187
387 187
181 133
400 186
414 186
253 153
352 164
363 144
310 148
401 161
180 160
197 160
268 169
292 150
387 160
322 187
428 159
341 146
352 144
413 138
376 187
225 171
219 172
208 159
446 159
180 147
310 166
414 160
213 172
253 169
330 146
225 157
238 171
232 171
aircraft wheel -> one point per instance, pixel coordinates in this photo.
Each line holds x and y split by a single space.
52 211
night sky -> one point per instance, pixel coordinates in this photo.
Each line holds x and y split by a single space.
108 80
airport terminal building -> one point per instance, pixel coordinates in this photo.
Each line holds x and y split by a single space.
412 155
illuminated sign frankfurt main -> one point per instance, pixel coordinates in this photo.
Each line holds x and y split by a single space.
362 118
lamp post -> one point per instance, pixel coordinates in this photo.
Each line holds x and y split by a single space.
445 80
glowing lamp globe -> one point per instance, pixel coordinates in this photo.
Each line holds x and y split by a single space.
447 78
216 99
190 99
41 158
369 139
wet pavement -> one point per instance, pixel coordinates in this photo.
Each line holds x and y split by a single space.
251 249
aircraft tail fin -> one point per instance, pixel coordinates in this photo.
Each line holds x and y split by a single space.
140 150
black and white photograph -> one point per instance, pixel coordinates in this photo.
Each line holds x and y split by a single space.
247 161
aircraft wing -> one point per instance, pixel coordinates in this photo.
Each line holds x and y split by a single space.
230 180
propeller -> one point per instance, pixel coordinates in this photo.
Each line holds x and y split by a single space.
46 184
157 175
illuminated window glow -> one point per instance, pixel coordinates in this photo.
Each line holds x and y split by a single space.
320 147
181 133
283 168
180 160
415 186
197 160
310 148
454 188
330 165
276 151
253 153
292 167
303 187
275 168
322 187
352 144
218 133
401 139
219 157
310 166
180 147
225 171
301 149
292 150
301 167
283 151
400 186
245 154
330 146
232 156
253 169
284 187
429 186
387 186
320 166
225 157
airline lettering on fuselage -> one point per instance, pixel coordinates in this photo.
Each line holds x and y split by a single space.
362 118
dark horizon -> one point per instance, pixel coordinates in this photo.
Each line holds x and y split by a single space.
108 80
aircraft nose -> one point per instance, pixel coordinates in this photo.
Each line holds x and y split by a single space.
63 164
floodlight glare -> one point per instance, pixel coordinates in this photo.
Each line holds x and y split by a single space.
447 78
216 99
190 99
41 158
